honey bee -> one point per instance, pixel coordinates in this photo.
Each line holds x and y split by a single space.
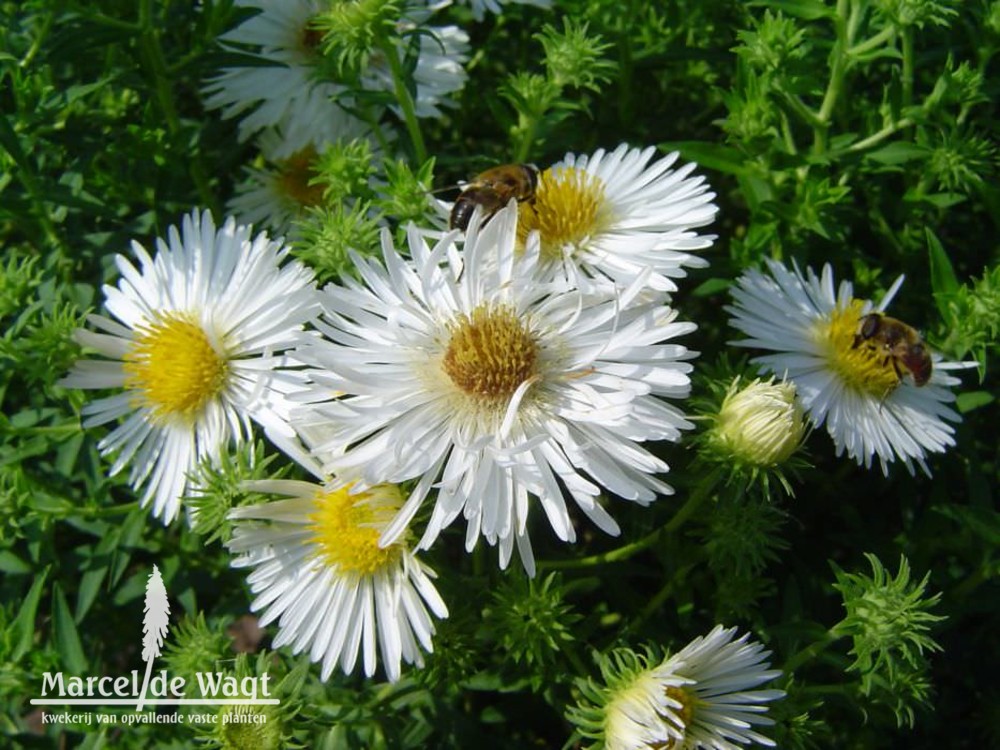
493 190
900 344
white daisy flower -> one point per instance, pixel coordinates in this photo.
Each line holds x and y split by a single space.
319 571
291 93
465 369
616 214
195 345
869 405
278 195
286 94
701 697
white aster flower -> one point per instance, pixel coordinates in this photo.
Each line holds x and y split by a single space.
701 697
319 570
852 387
287 93
464 369
292 92
278 195
196 347
615 215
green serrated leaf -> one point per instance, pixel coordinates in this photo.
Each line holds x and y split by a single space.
944 283
65 634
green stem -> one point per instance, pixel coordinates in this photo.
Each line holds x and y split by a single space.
568 649
36 44
155 62
838 69
804 112
659 598
524 147
876 138
406 103
907 38
694 501
810 652
872 43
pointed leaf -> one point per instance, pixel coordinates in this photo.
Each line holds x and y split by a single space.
23 627
67 638
944 283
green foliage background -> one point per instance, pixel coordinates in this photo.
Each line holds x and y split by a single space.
860 133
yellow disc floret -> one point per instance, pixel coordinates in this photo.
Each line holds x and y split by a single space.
569 207
174 367
296 179
861 368
346 529
491 352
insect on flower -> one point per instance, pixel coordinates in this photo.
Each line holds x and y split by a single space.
901 344
493 190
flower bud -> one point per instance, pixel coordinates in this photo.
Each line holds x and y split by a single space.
761 424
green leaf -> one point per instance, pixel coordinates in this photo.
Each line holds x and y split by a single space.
11 563
712 286
938 200
982 522
97 570
944 283
67 638
897 152
971 400
23 627
710 155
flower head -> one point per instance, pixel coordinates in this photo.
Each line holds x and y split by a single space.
295 90
613 215
467 369
320 571
280 194
196 349
858 389
703 696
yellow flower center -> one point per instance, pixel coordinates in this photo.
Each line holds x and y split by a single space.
685 713
174 367
569 207
311 38
861 367
346 529
490 353
296 179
